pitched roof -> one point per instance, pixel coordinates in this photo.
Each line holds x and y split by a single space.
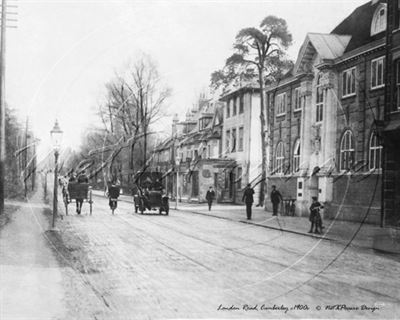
358 26
328 47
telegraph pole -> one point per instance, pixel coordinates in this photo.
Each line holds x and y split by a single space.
2 104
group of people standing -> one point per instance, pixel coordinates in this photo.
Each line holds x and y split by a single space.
276 198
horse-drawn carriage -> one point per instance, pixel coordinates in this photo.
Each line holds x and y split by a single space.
77 191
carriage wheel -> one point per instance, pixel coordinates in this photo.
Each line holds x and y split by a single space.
141 206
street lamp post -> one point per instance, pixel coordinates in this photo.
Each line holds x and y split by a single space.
56 137
177 162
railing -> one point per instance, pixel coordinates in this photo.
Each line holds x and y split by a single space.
289 207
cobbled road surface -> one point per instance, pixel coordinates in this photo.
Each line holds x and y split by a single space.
186 265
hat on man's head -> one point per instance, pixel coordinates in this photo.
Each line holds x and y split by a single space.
314 198
249 185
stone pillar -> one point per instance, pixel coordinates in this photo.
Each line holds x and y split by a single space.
306 121
305 146
328 132
329 123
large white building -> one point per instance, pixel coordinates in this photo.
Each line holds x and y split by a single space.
241 140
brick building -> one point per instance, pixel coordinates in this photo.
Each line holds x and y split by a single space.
325 138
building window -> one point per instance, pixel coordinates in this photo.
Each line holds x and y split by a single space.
234 107
234 140
240 145
377 72
320 100
375 153
239 178
227 141
241 103
349 82
280 104
347 151
279 158
296 156
228 108
209 155
297 99
379 20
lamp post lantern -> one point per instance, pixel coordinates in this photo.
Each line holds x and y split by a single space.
56 137
177 162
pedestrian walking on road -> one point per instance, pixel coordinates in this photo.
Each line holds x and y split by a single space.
210 196
82 178
248 199
276 198
315 216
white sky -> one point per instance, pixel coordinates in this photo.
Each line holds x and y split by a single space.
63 52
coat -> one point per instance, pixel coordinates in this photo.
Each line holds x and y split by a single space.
82 178
210 195
276 196
248 195
315 215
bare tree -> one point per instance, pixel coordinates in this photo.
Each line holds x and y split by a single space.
134 100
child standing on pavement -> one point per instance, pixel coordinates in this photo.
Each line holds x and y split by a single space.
315 216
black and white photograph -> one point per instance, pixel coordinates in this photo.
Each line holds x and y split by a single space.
199 159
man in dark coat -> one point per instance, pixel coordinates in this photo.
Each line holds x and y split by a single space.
276 197
210 196
82 178
248 199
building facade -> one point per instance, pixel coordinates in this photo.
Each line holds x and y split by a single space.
325 138
391 125
190 159
241 140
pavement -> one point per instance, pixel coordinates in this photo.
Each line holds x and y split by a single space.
30 275
356 234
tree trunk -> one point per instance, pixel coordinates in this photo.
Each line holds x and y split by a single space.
263 141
